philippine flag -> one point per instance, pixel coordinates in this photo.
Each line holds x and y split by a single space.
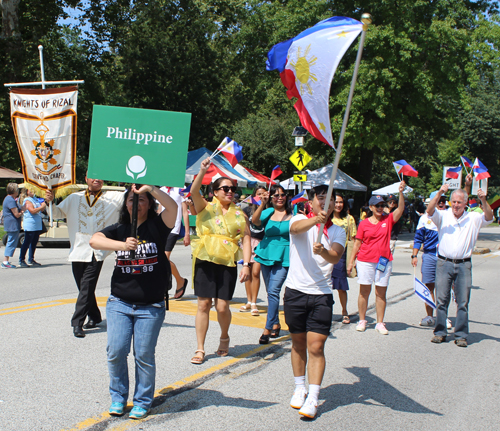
186 192
307 64
276 172
252 200
231 150
467 163
473 203
405 168
301 197
480 171
453 172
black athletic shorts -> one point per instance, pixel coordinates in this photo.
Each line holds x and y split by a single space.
171 240
308 313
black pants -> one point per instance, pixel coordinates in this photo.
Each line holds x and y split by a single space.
86 275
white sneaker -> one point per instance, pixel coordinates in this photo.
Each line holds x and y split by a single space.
448 324
361 326
427 321
380 327
298 398
309 408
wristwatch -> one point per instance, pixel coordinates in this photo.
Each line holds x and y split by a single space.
246 264
412 256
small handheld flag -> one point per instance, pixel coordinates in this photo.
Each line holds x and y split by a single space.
276 172
185 193
404 168
252 200
301 197
480 171
423 292
472 203
453 172
466 162
233 153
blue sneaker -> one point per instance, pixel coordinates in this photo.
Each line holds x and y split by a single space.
138 413
116 409
8 265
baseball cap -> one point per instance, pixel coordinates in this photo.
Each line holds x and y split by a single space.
374 200
392 198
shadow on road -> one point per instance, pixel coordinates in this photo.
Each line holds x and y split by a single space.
369 390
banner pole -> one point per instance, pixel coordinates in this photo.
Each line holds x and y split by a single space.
135 206
366 19
42 76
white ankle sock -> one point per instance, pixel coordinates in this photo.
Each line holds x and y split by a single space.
314 392
300 382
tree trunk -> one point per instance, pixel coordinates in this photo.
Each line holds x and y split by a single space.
10 19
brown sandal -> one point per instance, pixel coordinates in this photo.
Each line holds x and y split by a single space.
198 360
223 349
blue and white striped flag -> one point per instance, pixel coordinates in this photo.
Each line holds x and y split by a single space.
423 292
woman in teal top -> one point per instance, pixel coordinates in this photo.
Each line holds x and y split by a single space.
273 253
32 225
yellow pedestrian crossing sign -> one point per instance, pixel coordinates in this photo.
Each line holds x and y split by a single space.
300 158
300 176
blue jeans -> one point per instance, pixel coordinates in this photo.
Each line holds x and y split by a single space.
447 274
143 322
10 247
30 241
274 277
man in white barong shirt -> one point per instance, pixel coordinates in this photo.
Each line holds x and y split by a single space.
86 213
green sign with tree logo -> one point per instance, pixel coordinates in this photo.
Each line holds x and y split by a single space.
143 146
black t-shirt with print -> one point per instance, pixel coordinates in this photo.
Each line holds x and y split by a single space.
146 278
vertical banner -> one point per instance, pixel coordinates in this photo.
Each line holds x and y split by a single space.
44 123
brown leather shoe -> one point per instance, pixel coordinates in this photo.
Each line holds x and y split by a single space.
438 339
461 343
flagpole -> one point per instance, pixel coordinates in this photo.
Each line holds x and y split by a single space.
217 151
366 19
42 76
468 173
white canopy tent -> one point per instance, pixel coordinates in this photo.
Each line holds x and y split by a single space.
322 176
392 189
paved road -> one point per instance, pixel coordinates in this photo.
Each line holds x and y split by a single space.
51 380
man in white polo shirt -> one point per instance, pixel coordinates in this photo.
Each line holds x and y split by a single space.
458 231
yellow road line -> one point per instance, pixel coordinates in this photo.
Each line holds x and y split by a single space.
186 307
179 384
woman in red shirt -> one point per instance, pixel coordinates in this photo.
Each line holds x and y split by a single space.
372 250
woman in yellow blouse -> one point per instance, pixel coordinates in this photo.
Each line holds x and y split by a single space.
220 226
342 218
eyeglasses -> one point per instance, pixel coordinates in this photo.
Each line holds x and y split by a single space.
381 206
227 188
280 195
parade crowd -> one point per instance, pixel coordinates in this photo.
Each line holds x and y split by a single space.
271 238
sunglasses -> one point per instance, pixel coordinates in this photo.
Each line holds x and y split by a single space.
441 202
280 195
227 188
381 206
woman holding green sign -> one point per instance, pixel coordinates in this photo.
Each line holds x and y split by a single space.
220 226
136 307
